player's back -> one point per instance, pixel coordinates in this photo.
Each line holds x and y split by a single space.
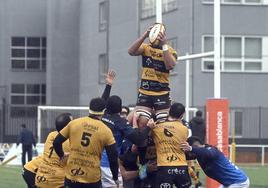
51 170
221 169
167 137
87 138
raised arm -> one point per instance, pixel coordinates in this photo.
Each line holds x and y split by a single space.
136 47
110 76
169 59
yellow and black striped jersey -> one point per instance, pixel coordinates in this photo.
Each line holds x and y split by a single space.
155 76
167 137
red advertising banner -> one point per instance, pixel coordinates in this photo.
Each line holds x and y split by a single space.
217 118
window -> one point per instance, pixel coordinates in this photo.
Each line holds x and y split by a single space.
148 7
25 98
103 15
103 67
28 53
236 123
238 54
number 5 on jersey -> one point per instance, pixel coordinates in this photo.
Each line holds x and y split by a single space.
85 140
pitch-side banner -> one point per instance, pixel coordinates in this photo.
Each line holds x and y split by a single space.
217 119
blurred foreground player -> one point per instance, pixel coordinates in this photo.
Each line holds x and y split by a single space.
215 165
158 58
29 171
87 136
51 171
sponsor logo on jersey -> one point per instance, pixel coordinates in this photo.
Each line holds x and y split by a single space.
77 172
41 179
165 185
172 158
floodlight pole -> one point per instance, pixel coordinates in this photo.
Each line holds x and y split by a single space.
158 11
217 38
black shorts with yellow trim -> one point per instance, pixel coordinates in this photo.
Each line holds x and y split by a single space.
160 102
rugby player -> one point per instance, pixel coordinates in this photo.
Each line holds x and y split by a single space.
215 165
121 130
88 136
172 168
29 171
51 171
157 61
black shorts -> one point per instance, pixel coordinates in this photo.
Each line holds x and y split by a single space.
74 184
168 176
160 102
29 178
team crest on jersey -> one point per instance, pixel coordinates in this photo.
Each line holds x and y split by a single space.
145 85
148 61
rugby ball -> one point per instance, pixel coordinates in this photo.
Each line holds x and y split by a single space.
157 28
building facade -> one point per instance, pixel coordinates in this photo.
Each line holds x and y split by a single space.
57 53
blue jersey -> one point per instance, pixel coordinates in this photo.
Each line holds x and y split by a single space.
120 128
218 167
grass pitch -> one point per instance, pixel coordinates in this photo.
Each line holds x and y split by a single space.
10 176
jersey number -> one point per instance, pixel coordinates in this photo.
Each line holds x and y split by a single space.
51 151
85 139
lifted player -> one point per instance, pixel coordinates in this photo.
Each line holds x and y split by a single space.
157 61
51 171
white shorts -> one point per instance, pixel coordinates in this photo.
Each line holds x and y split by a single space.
107 178
238 185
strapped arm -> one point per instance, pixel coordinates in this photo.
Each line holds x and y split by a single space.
57 144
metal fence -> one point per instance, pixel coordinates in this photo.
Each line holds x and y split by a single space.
250 123
250 154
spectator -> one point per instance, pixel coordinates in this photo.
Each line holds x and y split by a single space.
198 126
26 138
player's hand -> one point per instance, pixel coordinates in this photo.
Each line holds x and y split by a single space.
135 120
151 123
162 38
117 183
110 76
146 34
185 146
